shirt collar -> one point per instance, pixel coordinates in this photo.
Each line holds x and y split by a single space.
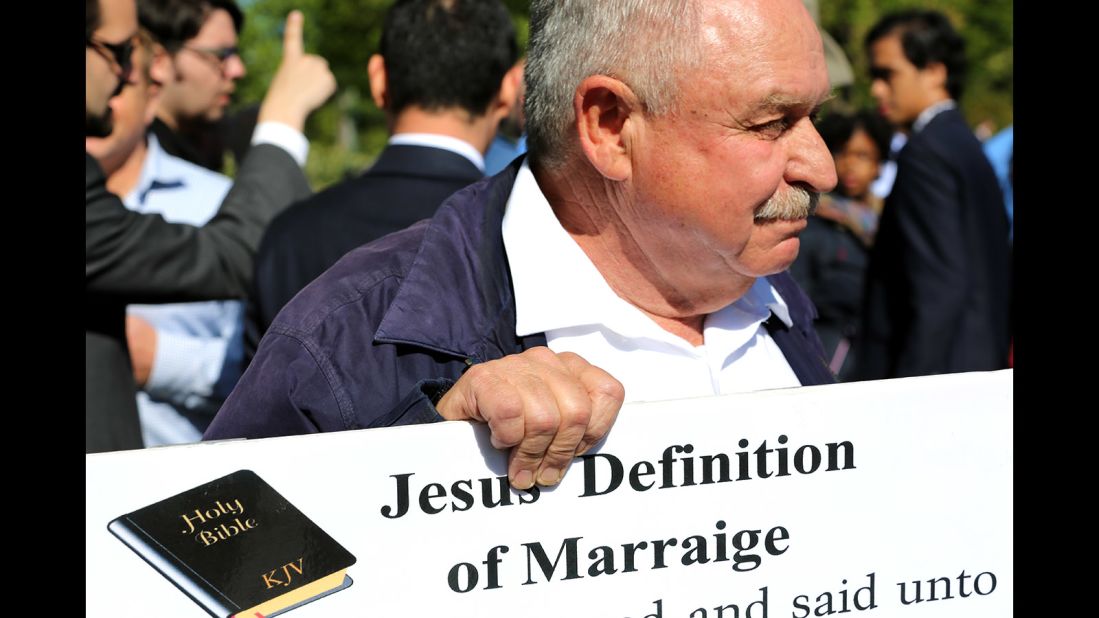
152 171
443 142
557 286
928 114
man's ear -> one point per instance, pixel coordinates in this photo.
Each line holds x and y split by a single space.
607 111
375 71
161 71
509 99
934 76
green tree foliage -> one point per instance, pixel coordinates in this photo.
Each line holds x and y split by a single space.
349 131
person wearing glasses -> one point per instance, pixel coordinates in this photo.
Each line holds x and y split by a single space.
200 37
132 257
109 46
185 356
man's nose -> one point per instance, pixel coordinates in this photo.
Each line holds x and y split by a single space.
810 161
234 67
879 89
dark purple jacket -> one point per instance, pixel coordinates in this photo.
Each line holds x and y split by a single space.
378 338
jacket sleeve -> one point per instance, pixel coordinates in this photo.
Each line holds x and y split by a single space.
275 273
290 389
928 209
144 258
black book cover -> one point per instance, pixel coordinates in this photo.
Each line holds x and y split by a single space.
236 546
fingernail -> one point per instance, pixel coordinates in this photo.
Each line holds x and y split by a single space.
549 476
524 479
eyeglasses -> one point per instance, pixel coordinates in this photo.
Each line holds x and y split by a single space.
881 73
118 54
219 55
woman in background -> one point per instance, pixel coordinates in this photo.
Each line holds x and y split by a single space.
831 264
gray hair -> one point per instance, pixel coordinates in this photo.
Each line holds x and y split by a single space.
647 44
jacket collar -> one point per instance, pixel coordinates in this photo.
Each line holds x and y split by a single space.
428 162
456 297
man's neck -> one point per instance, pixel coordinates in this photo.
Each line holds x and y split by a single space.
167 119
474 130
125 178
676 292
188 129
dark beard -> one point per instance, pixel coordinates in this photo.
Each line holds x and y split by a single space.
98 126
101 126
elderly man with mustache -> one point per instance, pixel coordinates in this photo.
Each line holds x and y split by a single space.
638 253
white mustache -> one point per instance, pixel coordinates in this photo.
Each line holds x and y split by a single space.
796 203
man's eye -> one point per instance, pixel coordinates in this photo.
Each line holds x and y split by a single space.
773 129
879 73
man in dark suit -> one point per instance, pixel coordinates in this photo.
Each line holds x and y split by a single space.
132 257
638 253
937 297
445 80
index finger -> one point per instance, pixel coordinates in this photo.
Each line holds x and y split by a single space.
292 46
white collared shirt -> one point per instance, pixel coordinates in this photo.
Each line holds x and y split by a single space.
560 292
284 136
443 142
930 112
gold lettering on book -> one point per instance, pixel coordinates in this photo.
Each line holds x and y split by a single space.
202 516
281 576
222 531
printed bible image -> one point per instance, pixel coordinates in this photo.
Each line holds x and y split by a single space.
236 547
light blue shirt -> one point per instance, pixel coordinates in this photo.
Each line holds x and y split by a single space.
999 149
502 151
200 348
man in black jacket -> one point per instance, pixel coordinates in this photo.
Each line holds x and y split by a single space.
132 257
937 296
445 79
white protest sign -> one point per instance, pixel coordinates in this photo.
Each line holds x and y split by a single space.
890 498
